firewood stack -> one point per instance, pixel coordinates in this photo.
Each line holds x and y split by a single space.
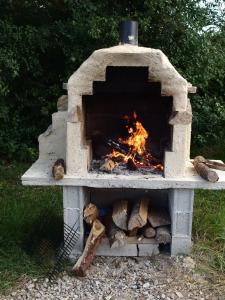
126 224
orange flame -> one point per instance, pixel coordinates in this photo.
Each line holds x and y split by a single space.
136 140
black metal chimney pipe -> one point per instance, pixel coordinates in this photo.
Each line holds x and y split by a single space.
129 32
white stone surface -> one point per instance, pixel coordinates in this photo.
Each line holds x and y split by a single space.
40 175
93 69
52 143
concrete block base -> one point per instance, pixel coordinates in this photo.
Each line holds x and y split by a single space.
180 203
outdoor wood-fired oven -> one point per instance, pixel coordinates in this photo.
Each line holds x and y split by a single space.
122 99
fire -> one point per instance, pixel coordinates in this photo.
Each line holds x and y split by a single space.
137 138
134 146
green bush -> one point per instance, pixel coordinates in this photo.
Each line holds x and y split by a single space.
43 42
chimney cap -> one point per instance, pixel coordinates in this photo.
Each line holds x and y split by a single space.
129 32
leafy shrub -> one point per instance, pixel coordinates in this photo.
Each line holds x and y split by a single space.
43 42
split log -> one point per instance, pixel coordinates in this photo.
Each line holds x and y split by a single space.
59 169
120 214
203 170
163 235
148 231
158 217
108 165
94 239
139 213
91 213
117 237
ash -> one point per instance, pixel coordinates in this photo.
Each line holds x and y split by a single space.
121 169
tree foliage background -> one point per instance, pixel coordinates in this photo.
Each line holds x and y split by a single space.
43 42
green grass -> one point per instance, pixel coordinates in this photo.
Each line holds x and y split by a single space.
23 212
23 220
209 228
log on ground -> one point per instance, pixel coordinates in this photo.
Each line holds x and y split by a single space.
94 239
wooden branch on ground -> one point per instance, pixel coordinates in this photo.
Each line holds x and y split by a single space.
94 239
120 214
163 235
158 217
203 170
117 237
139 213
59 169
91 213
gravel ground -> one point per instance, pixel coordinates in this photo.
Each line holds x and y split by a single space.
112 278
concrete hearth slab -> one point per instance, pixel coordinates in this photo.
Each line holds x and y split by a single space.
40 174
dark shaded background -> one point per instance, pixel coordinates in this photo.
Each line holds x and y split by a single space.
43 42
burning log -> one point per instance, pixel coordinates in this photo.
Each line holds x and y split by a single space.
91 213
139 213
163 235
108 165
117 237
59 169
203 170
94 238
144 160
158 217
149 231
120 213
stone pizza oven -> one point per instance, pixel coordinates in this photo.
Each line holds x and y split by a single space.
112 83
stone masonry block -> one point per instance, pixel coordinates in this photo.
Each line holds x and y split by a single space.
174 164
180 245
74 199
182 225
181 200
148 249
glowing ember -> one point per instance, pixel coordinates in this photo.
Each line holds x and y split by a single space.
135 145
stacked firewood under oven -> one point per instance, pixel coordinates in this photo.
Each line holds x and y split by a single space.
125 223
